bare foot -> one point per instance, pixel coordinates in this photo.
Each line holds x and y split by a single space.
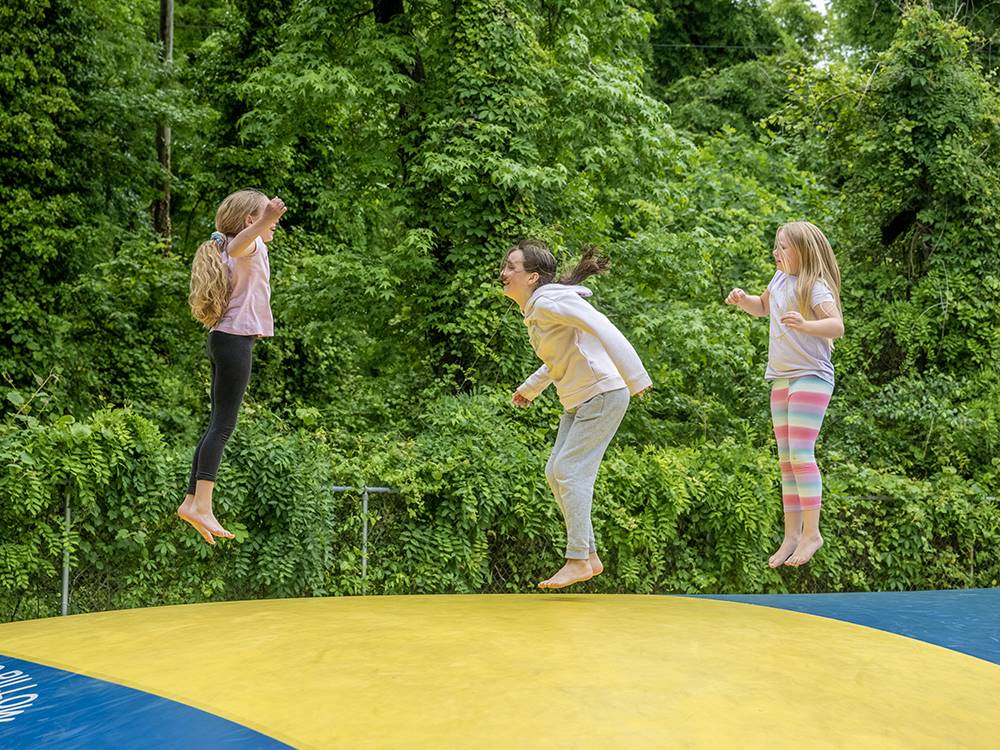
595 564
184 512
202 522
805 550
574 571
210 522
784 552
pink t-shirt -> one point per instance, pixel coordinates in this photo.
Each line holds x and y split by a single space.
249 311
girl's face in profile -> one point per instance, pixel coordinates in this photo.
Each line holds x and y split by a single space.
786 257
518 284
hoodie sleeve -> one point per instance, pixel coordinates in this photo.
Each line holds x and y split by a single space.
577 312
532 387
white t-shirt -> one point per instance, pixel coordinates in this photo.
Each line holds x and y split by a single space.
790 353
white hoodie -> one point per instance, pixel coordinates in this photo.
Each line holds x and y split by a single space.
582 350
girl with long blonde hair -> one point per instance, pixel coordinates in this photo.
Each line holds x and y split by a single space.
231 296
803 303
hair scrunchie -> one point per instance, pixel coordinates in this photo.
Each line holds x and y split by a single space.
219 239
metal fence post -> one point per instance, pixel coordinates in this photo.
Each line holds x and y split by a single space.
366 491
65 570
364 542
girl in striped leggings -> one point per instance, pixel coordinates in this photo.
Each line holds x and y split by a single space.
803 303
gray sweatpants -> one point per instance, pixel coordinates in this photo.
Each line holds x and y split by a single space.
584 435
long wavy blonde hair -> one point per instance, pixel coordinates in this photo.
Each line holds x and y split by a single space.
816 262
210 288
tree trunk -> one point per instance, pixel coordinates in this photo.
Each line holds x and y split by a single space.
161 210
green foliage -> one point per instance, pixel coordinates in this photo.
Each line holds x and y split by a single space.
869 28
745 86
738 96
474 513
77 107
693 35
441 147
414 142
138 342
127 547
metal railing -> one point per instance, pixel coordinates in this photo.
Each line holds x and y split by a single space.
365 491
365 496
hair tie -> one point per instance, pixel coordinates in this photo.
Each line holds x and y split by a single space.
219 239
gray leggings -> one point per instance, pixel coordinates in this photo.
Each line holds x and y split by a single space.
584 435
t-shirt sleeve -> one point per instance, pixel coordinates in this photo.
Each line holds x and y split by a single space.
774 280
821 293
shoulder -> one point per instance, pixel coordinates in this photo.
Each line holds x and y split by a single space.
779 278
821 290
558 305
257 250
822 286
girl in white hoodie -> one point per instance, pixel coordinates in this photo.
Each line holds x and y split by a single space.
595 369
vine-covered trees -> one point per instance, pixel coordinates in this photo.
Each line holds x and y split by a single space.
414 141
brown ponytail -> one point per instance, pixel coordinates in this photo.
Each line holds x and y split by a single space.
539 259
591 264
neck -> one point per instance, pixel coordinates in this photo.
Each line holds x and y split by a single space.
524 302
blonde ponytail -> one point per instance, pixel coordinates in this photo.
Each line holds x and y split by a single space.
209 297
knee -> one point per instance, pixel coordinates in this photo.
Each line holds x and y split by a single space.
222 430
556 473
802 460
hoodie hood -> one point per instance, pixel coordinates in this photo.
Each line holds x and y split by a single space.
556 291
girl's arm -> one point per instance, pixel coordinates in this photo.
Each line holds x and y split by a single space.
756 306
246 241
532 388
828 323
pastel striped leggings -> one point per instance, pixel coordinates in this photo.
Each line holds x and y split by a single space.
797 409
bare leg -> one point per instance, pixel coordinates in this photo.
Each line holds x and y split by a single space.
811 540
574 571
793 532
